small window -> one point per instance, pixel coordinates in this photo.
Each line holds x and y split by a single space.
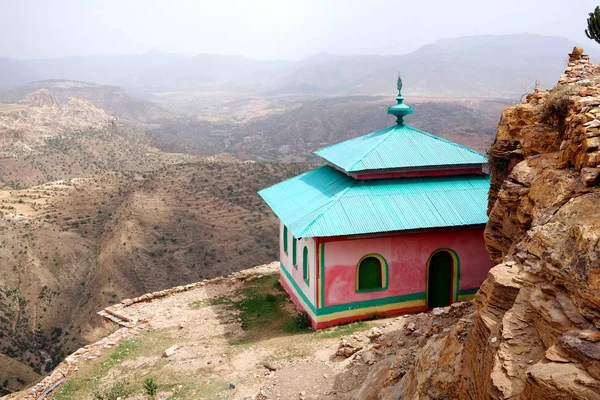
370 274
294 260
285 239
305 269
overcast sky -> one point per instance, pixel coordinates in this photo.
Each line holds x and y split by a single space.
278 29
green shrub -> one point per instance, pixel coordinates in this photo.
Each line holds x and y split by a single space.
555 107
150 386
113 393
302 320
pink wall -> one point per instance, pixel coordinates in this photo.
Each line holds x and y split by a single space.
309 289
407 257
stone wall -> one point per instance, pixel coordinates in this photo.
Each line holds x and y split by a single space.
581 140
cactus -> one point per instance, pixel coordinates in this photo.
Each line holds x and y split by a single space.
593 23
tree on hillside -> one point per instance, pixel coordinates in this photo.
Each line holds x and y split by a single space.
593 23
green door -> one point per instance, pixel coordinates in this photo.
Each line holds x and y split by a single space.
439 285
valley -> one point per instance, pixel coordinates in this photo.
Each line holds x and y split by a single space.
66 244
92 212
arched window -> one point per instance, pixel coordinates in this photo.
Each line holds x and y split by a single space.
285 239
371 273
294 258
305 268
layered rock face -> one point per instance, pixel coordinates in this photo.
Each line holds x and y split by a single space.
535 333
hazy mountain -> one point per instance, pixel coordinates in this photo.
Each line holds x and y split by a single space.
204 71
16 72
101 69
479 66
475 66
110 98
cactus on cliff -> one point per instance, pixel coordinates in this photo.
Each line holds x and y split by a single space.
593 23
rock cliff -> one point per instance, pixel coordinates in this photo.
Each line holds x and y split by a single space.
39 116
535 333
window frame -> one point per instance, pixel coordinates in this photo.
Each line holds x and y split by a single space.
384 274
305 266
285 239
294 252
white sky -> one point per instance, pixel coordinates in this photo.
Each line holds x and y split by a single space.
271 29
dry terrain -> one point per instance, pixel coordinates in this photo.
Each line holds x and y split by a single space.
71 247
91 212
240 337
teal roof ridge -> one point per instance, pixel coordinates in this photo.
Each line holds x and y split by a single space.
385 137
338 197
381 131
445 140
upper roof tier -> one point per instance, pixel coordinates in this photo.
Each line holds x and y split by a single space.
399 148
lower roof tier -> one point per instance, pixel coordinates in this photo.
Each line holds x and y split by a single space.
325 202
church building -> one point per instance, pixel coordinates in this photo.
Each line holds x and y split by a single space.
392 223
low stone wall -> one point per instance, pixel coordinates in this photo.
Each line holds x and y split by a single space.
580 148
578 69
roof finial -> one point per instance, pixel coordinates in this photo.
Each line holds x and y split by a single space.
399 84
400 110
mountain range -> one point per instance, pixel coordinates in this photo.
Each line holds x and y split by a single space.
503 66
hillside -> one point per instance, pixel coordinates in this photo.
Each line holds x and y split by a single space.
44 140
65 245
39 116
254 127
83 194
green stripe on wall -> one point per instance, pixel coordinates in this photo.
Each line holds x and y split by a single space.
322 266
350 306
371 303
463 292
297 289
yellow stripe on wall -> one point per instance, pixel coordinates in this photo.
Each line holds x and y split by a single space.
371 310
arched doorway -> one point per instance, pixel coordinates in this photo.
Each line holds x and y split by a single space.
441 274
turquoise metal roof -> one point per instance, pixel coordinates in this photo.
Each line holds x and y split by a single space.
396 148
326 202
